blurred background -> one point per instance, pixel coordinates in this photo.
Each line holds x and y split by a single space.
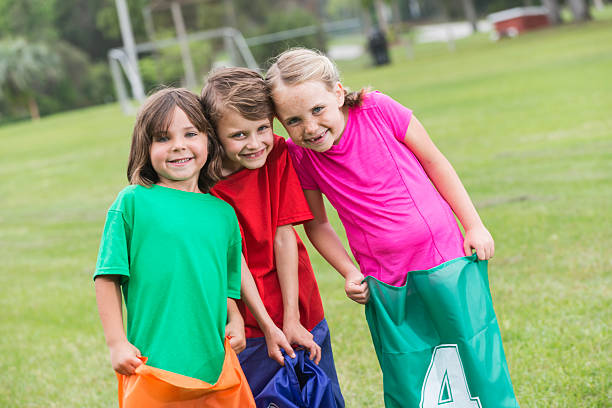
58 55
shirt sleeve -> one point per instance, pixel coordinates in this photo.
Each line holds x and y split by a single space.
396 115
234 252
113 258
292 205
300 165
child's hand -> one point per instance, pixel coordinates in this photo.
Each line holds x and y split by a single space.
480 240
355 289
235 329
124 357
275 340
297 334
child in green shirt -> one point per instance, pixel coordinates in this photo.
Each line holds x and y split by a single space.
172 248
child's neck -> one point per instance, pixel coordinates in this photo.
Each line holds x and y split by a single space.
182 185
229 167
345 113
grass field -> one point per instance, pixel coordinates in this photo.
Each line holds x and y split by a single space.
526 122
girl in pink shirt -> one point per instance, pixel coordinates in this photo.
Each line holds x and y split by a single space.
394 191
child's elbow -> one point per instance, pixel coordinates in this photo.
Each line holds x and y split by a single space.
283 236
316 225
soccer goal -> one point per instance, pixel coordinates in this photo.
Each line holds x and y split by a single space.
123 67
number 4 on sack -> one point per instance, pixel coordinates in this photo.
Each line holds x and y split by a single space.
445 384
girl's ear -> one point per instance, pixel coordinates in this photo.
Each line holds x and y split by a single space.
339 93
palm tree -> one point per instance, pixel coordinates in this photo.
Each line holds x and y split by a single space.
24 67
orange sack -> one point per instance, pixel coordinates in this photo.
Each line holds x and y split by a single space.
152 387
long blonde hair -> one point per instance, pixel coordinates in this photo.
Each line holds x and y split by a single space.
298 65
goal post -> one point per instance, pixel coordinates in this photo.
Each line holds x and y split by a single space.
122 66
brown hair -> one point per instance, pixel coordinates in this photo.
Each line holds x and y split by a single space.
241 89
298 65
153 118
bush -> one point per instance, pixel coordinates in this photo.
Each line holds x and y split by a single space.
99 86
80 83
165 67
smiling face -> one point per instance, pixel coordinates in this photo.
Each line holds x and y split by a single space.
246 143
313 115
179 153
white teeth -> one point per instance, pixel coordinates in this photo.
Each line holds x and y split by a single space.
180 160
313 139
249 155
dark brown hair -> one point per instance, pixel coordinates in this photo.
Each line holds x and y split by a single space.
298 65
241 89
153 118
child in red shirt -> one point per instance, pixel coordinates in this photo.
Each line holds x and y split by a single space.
262 186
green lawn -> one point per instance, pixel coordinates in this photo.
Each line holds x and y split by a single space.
526 122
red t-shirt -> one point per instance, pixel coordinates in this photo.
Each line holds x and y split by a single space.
265 199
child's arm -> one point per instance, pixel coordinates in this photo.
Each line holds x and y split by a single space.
235 327
448 184
286 256
324 238
275 339
124 355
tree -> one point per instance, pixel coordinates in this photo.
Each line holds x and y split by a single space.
379 7
554 16
470 13
32 19
24 67
580 10
76 23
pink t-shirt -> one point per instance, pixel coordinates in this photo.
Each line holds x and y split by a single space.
395 219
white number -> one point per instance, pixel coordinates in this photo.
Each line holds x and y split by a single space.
445 385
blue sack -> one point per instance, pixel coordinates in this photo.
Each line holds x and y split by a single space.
299 384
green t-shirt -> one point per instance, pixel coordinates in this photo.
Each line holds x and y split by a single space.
179 257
